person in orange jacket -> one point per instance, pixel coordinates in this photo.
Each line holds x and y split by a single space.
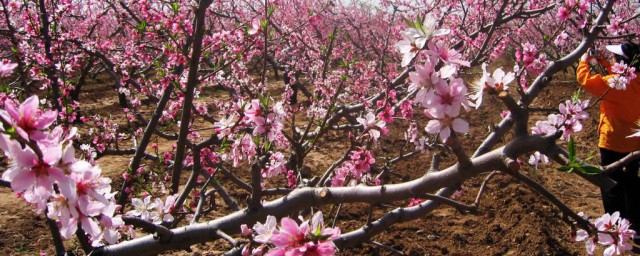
619 112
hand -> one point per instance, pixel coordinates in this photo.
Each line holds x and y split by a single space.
586 56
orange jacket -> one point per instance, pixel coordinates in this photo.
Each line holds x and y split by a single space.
619 110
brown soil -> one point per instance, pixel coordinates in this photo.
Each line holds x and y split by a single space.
512 219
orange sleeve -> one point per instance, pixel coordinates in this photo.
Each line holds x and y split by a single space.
593 84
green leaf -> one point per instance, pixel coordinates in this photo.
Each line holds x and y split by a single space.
572 150
267 146
418 23
589 170
11 130
590 156
271 10
175 7
410 23
141 26
576 95
564 168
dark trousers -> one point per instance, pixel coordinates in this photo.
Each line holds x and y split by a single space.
624 197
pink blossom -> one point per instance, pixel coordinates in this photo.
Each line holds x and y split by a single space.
569 127
164 209
386 115
266 230
415 201
446 54
623 76
550 126
539 63
538 159
362 160
35 177
291 179
575 110
563 13
406 109
618 67
590 245
529 51
290 236
343 176
143 208
245 230
28 118
415 39
449 98
270 125
613 232
6 68
616 26
618 82
498 81
622 235
411 134
372 126
255 27
304 239
443 124
561 39
223 127
65 212
253 110
423 77
275 166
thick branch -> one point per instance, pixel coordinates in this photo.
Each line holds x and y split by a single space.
307 197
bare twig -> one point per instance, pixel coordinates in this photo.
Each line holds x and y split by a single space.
386 247
483 188
55 234
633 156
584 224
463 208
159 232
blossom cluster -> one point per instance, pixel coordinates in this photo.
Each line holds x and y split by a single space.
613 232
156 211
622 76
528 58
569 5
290 238
355 170
46 174
263 122
567 122
412 136
434 81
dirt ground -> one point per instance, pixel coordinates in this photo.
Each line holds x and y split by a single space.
512 219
